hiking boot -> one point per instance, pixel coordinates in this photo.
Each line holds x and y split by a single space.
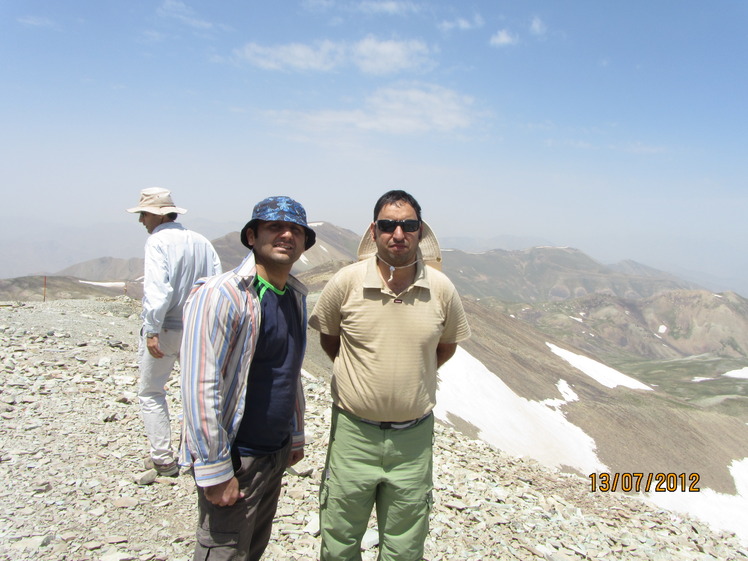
166 470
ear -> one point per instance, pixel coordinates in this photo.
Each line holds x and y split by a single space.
249 233
373 231
420 233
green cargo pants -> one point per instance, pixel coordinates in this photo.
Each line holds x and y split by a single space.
368 465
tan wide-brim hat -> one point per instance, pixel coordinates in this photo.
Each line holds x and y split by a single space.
428 247
156 200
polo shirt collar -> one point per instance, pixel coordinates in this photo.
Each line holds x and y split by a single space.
372 279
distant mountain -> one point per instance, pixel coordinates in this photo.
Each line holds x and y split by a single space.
509 243
538 274
106 269
334 245
669 325
634 269
541 274
36 289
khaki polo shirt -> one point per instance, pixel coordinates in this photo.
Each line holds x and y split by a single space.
386 367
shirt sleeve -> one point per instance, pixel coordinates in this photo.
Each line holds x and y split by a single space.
456 326
217 267
210 320
157 289
326 315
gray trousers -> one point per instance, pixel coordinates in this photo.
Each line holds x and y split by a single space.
241 532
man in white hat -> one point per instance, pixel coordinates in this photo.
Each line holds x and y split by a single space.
175 258
387 322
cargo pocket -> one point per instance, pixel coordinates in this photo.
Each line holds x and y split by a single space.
324 493
217 546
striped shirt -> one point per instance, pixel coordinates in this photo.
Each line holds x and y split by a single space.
386 368
221 326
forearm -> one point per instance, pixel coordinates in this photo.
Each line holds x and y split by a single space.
330 344
444 351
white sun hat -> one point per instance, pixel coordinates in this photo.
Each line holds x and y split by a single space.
428 247
156 200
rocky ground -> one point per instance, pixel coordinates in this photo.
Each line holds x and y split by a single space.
74 486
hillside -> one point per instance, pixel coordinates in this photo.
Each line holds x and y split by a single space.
539 274
632 430
669 325
544 274
54 288
682 342
106 269
335 245
71 442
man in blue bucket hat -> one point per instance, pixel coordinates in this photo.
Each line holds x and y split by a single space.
243 345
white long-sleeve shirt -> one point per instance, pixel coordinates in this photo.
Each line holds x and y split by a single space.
175 258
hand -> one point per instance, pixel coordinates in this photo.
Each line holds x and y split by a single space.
295 457
224 494
153 348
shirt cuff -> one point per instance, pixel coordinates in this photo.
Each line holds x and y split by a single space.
213 474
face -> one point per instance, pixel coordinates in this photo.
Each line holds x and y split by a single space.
397 248
277 243
150 221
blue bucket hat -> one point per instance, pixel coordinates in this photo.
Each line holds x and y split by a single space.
281 209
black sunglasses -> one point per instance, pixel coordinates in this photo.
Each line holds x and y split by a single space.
391 225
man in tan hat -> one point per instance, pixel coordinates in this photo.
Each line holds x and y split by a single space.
175 258
387 322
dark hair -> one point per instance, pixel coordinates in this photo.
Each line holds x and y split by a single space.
394 196
172 216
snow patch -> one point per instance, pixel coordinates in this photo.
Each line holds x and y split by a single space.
514 424
742 373
605 375
117 284
726 512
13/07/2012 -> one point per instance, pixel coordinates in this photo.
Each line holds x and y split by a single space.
638 482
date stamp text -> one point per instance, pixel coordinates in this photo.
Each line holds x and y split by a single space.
645 482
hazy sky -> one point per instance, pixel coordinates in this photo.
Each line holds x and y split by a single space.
618 128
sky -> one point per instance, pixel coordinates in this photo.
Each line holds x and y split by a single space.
541 431
618 128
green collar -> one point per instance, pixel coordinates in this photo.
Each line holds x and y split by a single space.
263 285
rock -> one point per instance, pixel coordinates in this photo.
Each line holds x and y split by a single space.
146 477
125 502
115 555
313 526
370 539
